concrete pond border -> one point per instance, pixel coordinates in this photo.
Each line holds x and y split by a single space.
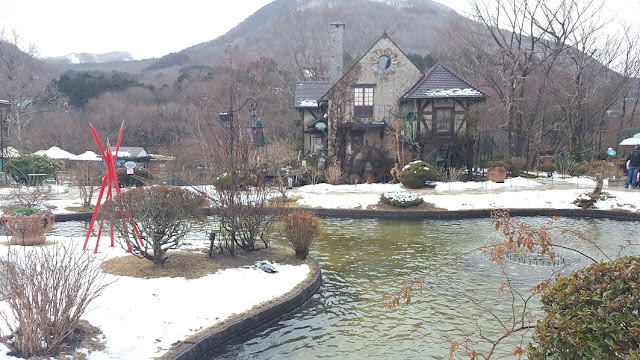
246 325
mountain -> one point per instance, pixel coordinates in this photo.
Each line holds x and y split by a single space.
284 29
87 58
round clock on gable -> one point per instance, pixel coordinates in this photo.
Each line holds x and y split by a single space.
384 61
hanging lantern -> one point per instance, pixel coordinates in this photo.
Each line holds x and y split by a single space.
255 134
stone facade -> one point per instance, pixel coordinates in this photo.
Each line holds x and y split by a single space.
360 119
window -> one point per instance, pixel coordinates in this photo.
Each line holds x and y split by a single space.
317 145
362 102
356 140
444 121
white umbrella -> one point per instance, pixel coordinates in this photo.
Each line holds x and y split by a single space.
630 141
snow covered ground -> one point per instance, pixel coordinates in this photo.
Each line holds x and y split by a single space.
557 193
122 312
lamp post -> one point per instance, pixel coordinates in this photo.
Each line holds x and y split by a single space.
229 117
3 104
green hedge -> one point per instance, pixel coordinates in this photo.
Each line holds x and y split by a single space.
592 314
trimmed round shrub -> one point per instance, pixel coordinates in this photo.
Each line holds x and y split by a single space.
594 313
301 228
401 199
243 179
416 173
140 177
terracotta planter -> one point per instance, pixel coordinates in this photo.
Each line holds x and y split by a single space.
497 174
28 230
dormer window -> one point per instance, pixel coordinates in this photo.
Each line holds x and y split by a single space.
362 102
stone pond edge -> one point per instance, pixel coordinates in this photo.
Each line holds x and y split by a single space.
244 326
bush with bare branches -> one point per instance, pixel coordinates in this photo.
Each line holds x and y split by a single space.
163 217
301 228
29 196
87 176
333 174
47 290
245 215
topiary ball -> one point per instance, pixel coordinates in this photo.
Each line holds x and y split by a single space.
416 173
242 179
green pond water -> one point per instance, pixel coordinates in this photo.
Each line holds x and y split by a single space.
363 258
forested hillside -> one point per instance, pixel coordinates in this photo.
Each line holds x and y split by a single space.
551 84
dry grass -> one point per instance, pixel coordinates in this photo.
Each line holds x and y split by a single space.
79 209
46 243
193 265
85 336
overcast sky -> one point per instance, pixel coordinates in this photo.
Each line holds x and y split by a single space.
148 28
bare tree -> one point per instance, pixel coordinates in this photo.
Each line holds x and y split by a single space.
86 176
523 50
21 82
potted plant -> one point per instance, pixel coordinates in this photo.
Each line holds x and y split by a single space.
497 171
27 225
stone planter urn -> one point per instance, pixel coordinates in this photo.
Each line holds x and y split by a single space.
28 230
497 174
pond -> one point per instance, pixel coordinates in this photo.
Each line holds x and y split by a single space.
361 259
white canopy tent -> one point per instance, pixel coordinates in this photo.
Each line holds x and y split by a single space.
87 156
56 153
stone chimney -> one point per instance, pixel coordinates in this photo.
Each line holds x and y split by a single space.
336 31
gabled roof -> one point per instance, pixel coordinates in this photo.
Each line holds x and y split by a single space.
384 36
130 152
440 82
309 92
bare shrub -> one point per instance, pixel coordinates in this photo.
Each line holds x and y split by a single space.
333 174
450 174
25 196
301 228
48 290
245 215
162 214
86 176
567 167
516 165
312 174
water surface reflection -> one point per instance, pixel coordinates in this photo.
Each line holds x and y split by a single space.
361 259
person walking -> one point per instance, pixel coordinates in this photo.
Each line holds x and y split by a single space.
634 166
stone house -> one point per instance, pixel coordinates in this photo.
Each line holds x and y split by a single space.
384 106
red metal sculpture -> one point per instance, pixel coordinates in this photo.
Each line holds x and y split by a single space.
109 182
